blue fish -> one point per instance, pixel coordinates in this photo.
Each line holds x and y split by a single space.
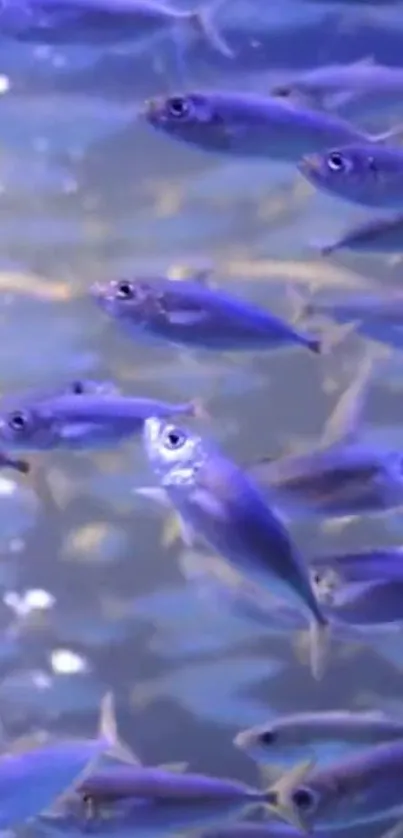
249 125
220 504
191 313
72 422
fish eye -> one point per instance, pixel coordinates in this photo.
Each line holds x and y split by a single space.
18 421
303 799
284 92
174 439
267 737
78 388
178 106
336 162
124 290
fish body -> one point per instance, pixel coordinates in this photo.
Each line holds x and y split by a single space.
74 422
193 314
243 124
365 566
295 733
344 479
362 173
31 781
159 784
355 789
378 235
104 21
218 501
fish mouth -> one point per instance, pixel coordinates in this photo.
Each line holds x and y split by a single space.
102 294
242 740
153 110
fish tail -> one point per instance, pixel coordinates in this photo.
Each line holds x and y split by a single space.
198 410
108 732
14 463
314 345
324 248
319 641
300 306
202 21
279 796
336 334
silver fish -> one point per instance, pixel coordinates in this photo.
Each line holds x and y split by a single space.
219 503
378 235
356 789
76 422
363 76
363 173
191 313
249 125
291 734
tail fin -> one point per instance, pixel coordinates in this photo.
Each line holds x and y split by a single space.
108 732
319 641
314 345
324 248
199 410
202 21
8 461
300 306
336 334
280 795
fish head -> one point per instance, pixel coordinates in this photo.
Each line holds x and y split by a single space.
134 300
27 429
175 453
194 118
365 174
259 742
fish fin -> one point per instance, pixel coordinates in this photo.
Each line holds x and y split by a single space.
174 529
336 334
392 134
175 767
324 247
202 21
300 308
344 422
186 318
108 731
279 795
154 493
319 642
199 410
270 774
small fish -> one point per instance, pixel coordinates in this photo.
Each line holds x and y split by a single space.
219 503
31 779
378 235
244 124
287 735
87 21
333 571
79 423
376 316
355 789
372 603
363 76
362 173
193 314
169 784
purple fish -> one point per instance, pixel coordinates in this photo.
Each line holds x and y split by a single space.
378 235
87 21
72 422
362 173
191 313
217 502
250 125
32 780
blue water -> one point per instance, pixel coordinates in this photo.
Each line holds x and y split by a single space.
91 601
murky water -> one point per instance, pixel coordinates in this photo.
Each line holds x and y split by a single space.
90 599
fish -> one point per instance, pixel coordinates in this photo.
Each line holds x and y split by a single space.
70 422
193 314
356 789
304 732
378 235
362 76
220 504
334 570
106 21
370 603
361 173
378 316
33 775
250 125
166 784
14 463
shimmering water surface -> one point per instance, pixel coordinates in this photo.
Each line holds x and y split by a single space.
90 598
